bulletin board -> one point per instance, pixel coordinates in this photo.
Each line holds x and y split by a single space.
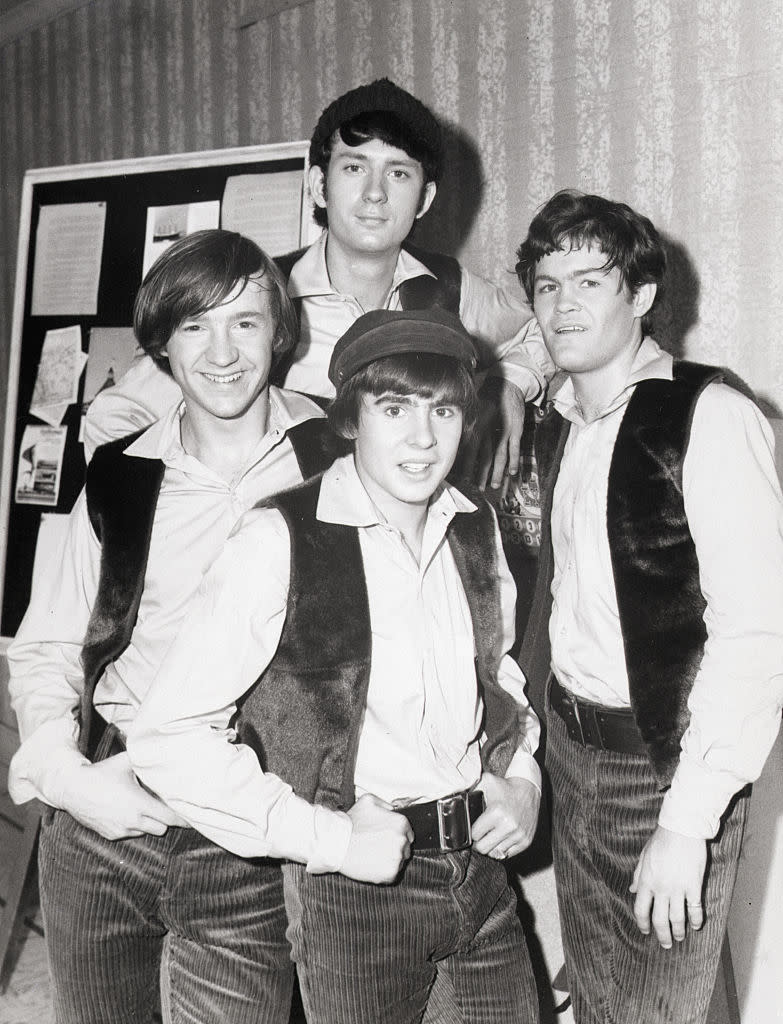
87 233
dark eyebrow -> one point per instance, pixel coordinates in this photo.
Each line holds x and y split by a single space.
390 396
363 158
581 272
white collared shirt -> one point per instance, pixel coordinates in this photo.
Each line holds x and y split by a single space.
735 513
500 320
420 737
196 509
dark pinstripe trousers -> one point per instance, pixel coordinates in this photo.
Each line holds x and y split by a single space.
605 807
109 906
369 954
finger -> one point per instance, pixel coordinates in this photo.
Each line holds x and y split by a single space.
499 464
152 807
153 826
641 909
514 452
484 845
496 847
482 826
661 922
677 919
695 913
375 801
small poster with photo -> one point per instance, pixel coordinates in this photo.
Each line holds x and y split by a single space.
40 464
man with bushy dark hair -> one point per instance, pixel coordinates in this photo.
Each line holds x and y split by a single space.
124 891
657 623
375 160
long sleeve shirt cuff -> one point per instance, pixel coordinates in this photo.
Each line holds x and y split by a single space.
697 798
44 763
300 831
524 766
333 830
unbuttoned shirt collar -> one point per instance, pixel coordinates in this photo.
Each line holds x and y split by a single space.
310 275
651 363
163 439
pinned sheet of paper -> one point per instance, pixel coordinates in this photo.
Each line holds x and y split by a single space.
110 354
68 253
57 379
167 224
266 208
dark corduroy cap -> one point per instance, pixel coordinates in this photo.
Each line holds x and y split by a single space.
383 95
385 332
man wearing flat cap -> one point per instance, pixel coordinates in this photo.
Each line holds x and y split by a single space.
375 159
370 726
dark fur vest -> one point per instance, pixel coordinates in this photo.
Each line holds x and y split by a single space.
122 494
303 717
654 563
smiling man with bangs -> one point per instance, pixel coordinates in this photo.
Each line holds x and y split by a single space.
125 888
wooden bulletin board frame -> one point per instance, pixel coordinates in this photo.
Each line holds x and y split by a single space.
129 188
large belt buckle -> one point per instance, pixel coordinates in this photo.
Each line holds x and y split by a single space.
454 823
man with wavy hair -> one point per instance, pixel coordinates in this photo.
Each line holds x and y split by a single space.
657 624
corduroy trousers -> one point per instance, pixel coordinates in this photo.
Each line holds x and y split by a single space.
605 808
369 954
115 913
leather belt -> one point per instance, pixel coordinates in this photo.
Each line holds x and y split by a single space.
594 725
443 826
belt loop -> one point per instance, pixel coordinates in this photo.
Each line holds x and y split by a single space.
577 718
591 728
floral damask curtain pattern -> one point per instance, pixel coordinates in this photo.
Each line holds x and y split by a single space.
675 106
671 105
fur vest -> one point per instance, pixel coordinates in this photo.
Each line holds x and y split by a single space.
654 562
303 717
122 494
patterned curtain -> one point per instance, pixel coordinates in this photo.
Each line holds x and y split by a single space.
675 106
